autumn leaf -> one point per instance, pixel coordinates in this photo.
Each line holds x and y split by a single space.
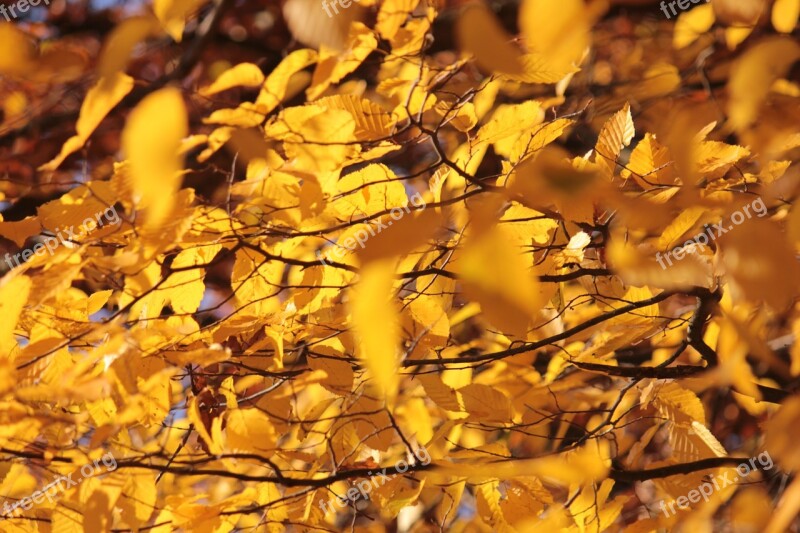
151 141
399 265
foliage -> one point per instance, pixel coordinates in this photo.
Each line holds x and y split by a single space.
271 319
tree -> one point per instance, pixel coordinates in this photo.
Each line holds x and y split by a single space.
400 266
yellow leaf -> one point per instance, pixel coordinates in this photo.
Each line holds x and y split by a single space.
782 433
588 463
485 265
20 230
255 282
242 75
79 208
679 405
18 481
785 14
739 12
487 505
372 121
139 496
692 24
397 494
23 59
185 287
151 141
317 24
334 66
442 395
375 323
101 98
332 360
650 164
617 133
318 139
680 227
550 178
392 15
539 68
247 115
539 138
557 30
97 300
713 159
760 263
14 291
120 42
249 431
479 33
400 237
734 35
274 89
416 415
753 74
368 191
509 122
636 267
485 403
173 14
591 510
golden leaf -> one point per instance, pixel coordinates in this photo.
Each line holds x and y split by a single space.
479 33
375 323
101 98
241 75
753 74
173 14
785 14
151 141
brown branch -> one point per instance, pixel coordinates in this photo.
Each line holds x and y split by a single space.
530 346
674 470
643 372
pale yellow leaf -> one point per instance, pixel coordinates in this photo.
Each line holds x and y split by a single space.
276 84
692 24
151 141
401 236
101 98
617 133
650 164
173 14
13 297
249 431
485 265
334 66
557 30
479 33
241 75
753 74
785 14
392 15
120 43
375 323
